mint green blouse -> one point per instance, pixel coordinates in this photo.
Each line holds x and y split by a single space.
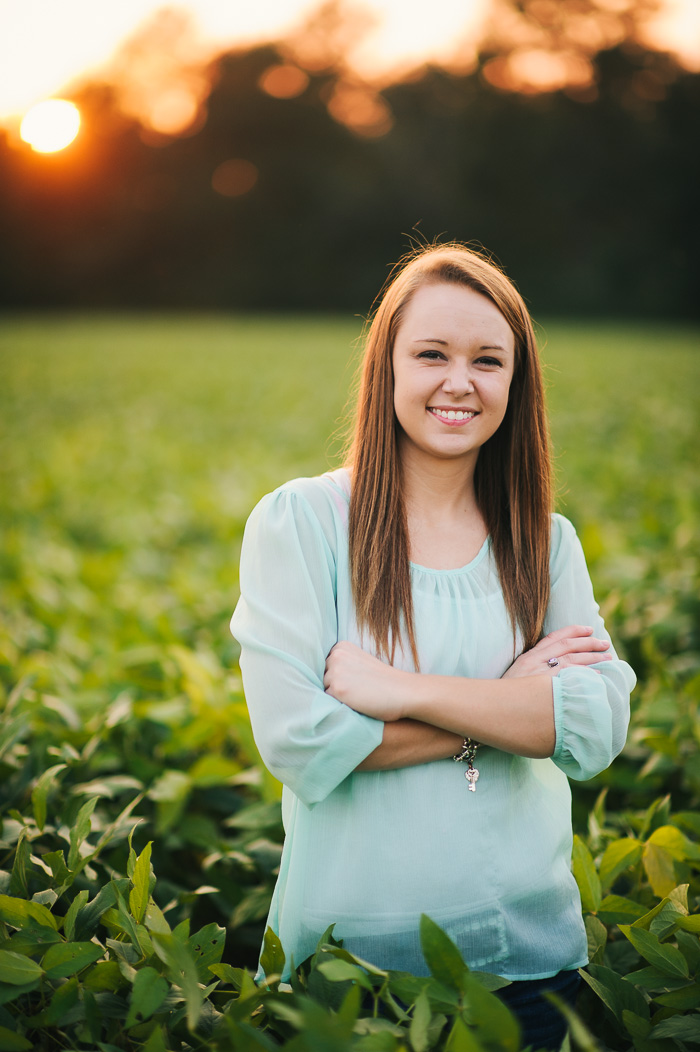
371 851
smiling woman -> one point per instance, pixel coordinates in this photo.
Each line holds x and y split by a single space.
50 125
422 606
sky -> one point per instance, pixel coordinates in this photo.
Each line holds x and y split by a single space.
47 45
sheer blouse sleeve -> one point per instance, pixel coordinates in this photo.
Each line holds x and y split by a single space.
591 711
286 624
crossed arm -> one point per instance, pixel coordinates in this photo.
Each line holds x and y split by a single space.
426 716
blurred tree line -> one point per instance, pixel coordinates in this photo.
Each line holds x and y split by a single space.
296 182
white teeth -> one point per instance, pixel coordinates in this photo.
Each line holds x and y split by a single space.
452 414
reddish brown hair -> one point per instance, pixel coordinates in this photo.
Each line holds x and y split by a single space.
513 471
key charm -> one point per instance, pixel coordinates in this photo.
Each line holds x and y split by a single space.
468 752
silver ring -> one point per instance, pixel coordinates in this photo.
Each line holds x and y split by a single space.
552 662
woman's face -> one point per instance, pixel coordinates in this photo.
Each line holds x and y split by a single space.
454 356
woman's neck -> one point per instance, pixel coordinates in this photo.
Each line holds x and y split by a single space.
441 491
446 530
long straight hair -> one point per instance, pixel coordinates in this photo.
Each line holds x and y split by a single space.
513 471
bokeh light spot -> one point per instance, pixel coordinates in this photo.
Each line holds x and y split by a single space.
361 109
234 178
173 111
284 81
50 125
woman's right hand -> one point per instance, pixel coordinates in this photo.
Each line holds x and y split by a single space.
572 645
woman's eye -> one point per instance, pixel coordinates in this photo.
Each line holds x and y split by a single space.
432 356
489 361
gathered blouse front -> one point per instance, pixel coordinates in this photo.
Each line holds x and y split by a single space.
370 851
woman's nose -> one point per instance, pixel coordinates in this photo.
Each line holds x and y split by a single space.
458 380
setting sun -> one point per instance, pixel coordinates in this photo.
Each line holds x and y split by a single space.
51 125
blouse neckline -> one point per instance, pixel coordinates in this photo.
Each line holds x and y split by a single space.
341 479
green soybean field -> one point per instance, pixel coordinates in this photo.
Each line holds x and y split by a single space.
139 833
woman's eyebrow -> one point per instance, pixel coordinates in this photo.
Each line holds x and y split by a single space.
445 343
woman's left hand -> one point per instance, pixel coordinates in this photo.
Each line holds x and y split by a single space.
572 645
365 683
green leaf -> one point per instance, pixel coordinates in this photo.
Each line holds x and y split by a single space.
79 831
65 998
662 956
635 1025
495 1024
614 991
420 1023
9 992
683 1000
11 1041
18 878
690 820
70 918
64 959
441 955
31 941
581 1036
339 971
659 868
673 841
17 969
490 981
646 921
615 909
41 790
147 995
182 931
619 856
659 809
597 937
56 862
586 876
679 897
350 1008
689 945
228 974
272 958
140 893
666 920
338 951
182 971
154 920
156 1041
170 790
213 769
461 1039
207 947
684 1028
127 923
653 979
88 919
689 923
106 975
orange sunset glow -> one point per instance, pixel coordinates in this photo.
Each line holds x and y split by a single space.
46 50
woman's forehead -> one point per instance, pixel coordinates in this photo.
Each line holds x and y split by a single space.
447 310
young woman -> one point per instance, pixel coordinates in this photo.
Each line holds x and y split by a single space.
420 606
